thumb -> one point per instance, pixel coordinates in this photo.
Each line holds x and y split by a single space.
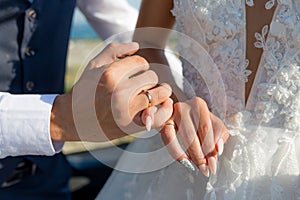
112 52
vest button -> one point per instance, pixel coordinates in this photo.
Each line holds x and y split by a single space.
29 85
29 52
32 15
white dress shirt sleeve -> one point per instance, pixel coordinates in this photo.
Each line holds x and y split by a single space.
25 125
109 17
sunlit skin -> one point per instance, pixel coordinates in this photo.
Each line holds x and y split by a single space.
109 95
203 147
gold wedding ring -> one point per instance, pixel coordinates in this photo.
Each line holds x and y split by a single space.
149 97
171 124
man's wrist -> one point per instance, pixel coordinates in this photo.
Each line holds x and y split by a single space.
62 127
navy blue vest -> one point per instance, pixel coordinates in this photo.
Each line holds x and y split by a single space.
33 47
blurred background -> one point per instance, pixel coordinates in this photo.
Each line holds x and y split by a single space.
83 40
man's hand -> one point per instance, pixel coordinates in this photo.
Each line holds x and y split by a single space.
107 100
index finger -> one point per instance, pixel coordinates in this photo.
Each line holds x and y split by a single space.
119 71
112 52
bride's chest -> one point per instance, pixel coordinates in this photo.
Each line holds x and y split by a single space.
217 21
220 27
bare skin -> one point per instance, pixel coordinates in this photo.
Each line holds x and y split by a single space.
106 101
256 16
199 150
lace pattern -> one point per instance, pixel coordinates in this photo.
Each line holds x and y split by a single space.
278 97
220 31
273 102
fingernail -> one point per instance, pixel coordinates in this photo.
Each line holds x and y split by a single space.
187 163
204 169
148 123
220 146
153 109
212 163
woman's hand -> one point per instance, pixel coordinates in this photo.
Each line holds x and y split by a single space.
202 133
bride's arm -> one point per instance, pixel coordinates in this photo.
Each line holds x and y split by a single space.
154 24
199 135
155 13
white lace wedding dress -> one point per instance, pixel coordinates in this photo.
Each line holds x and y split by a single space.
261 160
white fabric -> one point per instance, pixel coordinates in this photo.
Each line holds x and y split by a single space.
261 159
109 17
24 119
25 125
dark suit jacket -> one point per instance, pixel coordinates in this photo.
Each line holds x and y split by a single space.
33 47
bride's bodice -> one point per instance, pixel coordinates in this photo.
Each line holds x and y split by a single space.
266 129
219 27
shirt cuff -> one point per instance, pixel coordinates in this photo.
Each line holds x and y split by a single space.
25 125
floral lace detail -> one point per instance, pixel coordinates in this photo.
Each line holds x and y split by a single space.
245 173
269 4
279 94
242 72
220 32
252 167
261 38
250 2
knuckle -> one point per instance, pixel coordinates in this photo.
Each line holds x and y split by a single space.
113 46
160 95
118 96
139 60
93 63
178 113
155 97
198 161
205 129
120 114
178 106
161 118
171 101
200 101
123 119
166 87
152 76
197 157
108 76
167 137
165 92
